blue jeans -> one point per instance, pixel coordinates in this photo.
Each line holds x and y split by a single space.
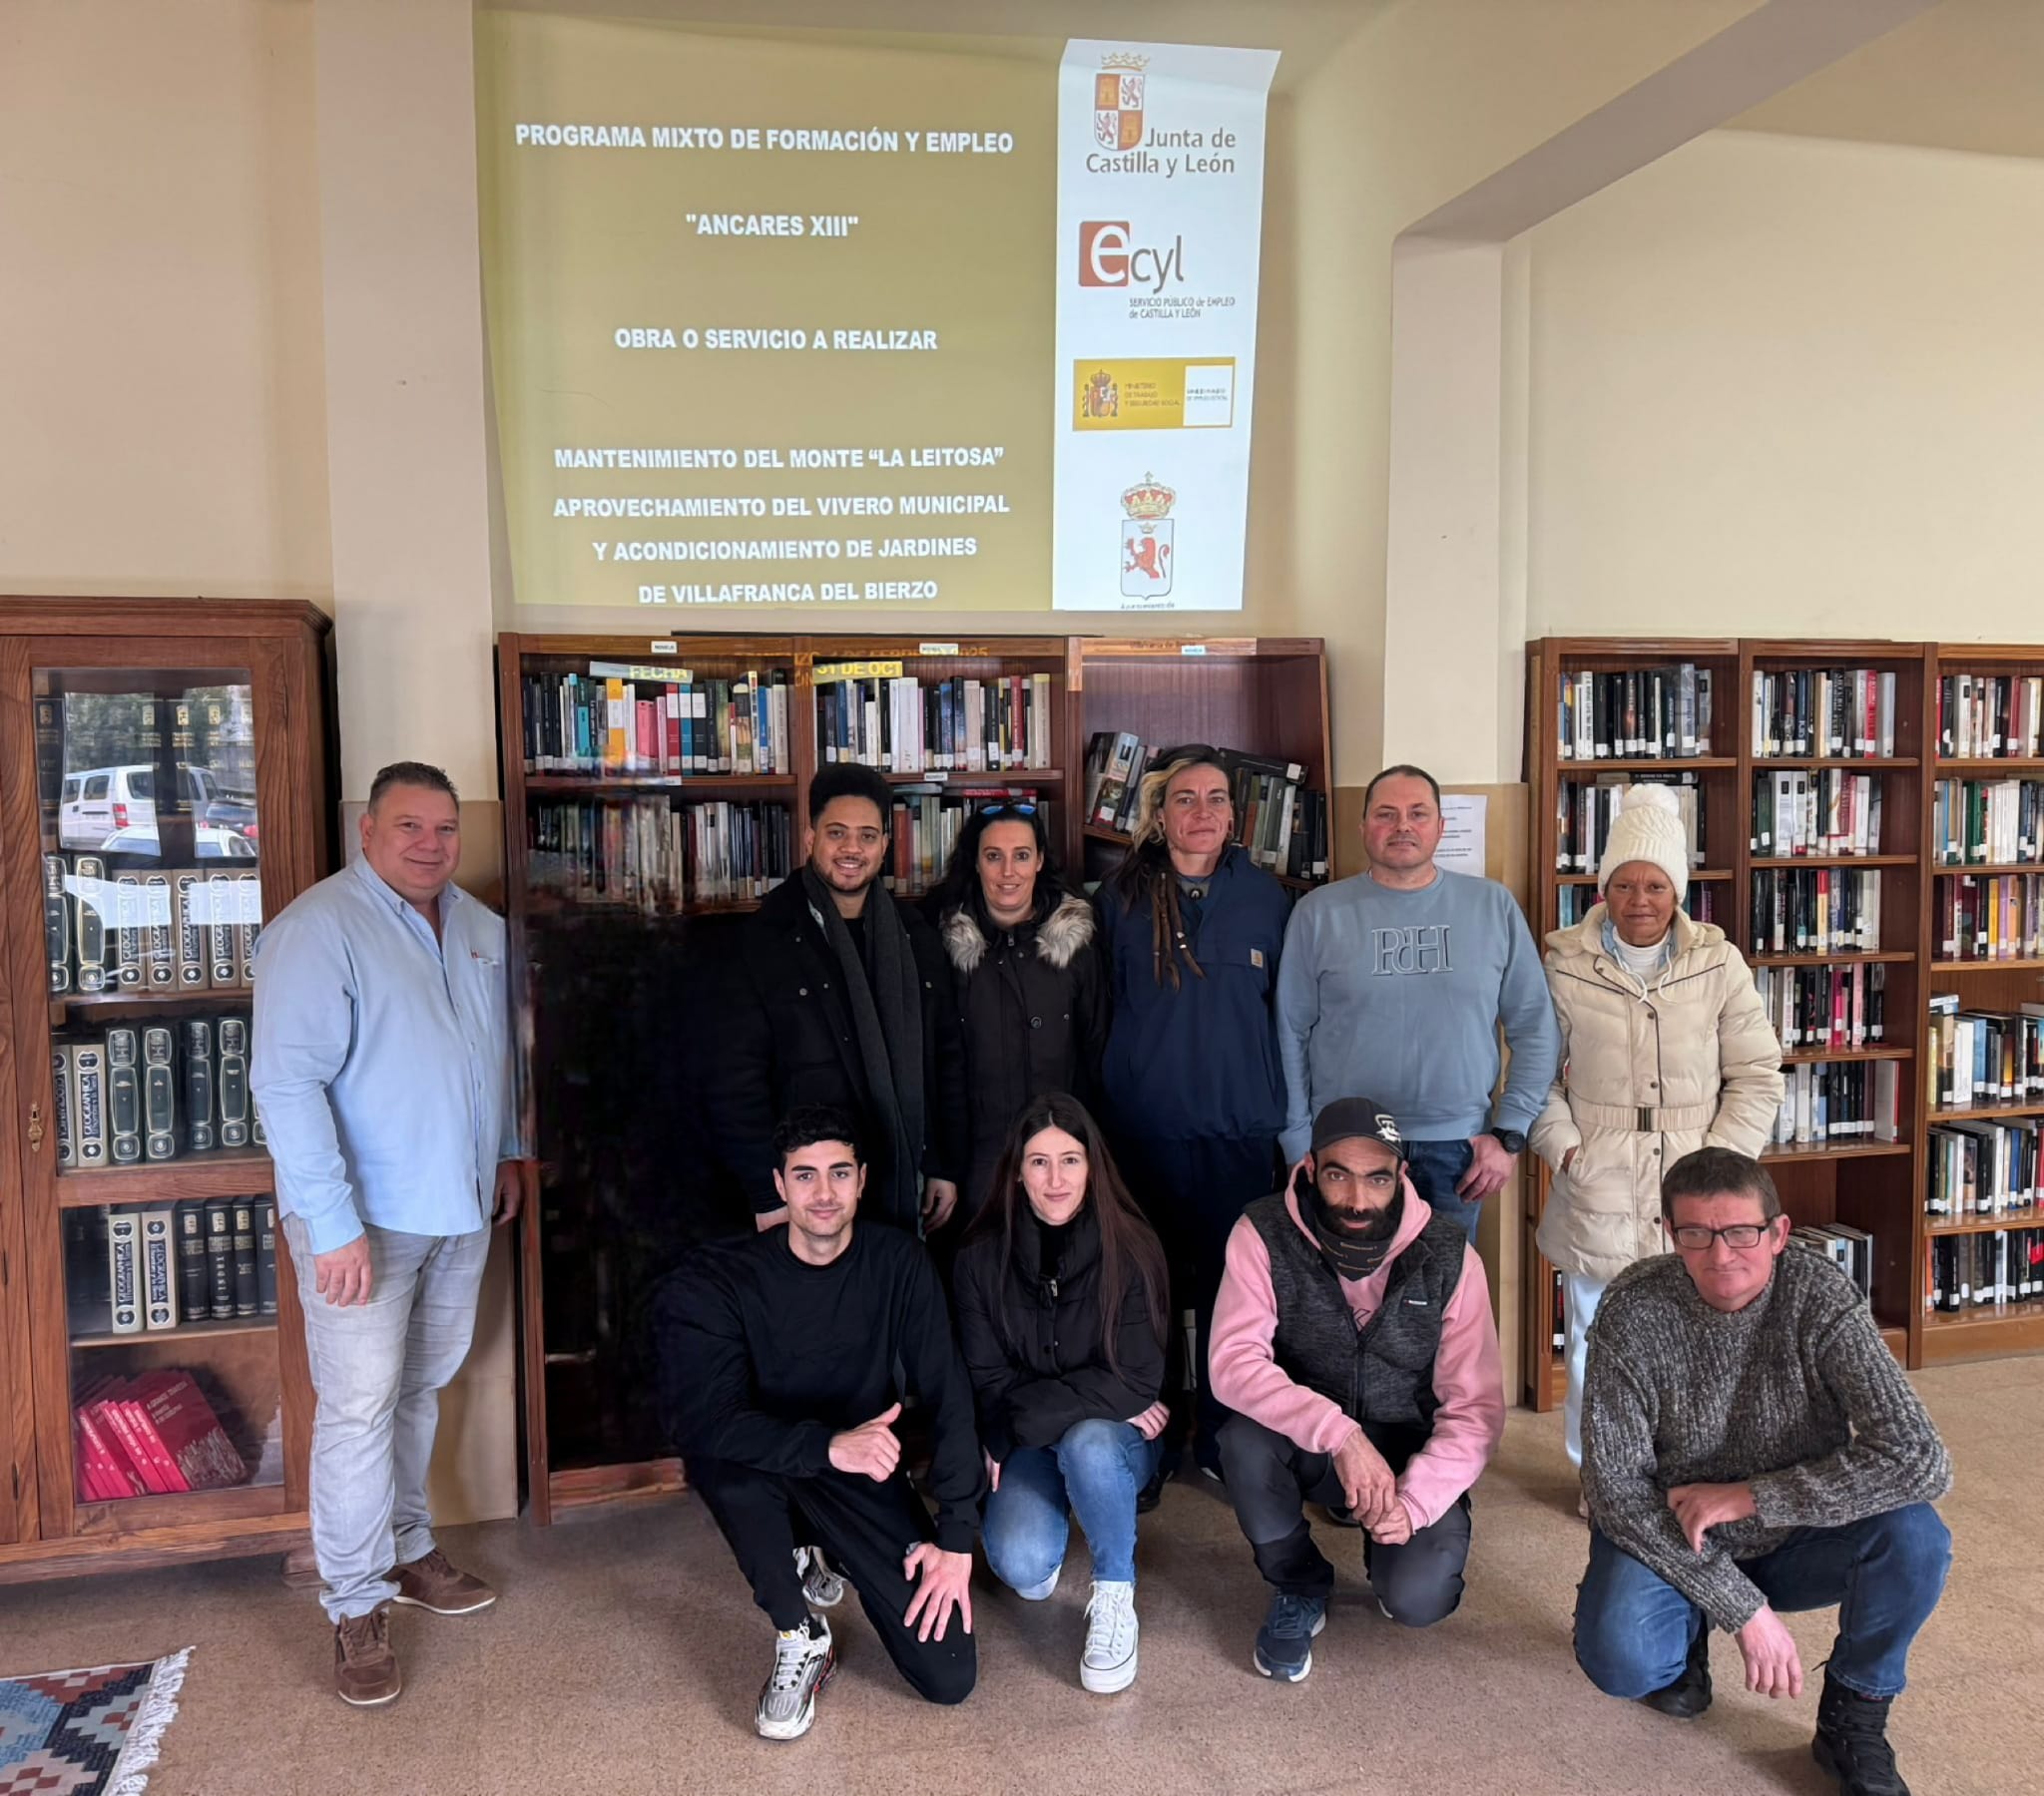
377 1369
1093 1473
1436 1168
1885 1574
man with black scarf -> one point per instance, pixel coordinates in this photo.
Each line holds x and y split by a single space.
1354 1340
838 995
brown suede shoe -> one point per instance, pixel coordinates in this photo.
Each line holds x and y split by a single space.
432 1583
364 1666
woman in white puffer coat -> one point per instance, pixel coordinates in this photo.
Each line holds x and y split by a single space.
1665 1048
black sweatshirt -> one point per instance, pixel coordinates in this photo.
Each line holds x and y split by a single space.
767 1357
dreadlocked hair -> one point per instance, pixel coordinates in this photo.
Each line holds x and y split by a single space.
1145 881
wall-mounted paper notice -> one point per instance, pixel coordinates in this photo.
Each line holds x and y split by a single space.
1463 819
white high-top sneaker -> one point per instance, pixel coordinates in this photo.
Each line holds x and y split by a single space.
1109 1662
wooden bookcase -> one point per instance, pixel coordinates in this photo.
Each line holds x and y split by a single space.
153 735
1875 1185
607 998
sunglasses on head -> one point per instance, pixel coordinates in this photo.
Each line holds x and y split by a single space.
1009 807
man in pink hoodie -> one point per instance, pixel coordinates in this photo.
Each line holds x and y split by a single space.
1352 1338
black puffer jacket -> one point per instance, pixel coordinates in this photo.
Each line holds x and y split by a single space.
1032 1004
1032 1341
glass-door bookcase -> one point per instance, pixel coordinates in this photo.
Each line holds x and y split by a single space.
164 789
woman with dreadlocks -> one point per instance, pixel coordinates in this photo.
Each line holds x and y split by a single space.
1194 1090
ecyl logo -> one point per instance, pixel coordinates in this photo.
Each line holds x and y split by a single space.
1107 257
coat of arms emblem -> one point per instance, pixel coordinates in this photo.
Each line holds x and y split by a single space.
1118 100
1146 539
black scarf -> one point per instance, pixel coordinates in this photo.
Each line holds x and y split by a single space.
884 993
1352 1252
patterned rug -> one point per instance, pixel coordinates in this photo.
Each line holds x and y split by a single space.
87 1733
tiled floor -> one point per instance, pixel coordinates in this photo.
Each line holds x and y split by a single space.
625 1657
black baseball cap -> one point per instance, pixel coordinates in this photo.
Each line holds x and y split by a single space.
1347 1119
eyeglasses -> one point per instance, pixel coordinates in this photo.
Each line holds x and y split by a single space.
1008 808
1694 1238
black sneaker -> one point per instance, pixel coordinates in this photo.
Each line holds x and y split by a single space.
1853 1743
1689 1694
1285 1643
802 1663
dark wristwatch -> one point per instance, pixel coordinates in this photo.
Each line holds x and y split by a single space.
1510 1140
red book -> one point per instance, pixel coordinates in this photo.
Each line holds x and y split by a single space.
97 1480
117 1414
181 1425
673 731
112 1474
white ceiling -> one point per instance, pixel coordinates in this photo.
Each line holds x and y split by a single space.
1305 31
1967 75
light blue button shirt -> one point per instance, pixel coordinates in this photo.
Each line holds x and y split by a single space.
382 1060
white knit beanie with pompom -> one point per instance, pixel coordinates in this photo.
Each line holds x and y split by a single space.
1649 828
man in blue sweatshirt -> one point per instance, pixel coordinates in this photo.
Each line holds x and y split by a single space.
1394 982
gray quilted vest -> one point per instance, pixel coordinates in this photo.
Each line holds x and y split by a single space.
1381 1373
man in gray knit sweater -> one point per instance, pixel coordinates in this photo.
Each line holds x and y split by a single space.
1750 1446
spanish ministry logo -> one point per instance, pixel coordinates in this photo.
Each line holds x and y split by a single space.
1146 539
1118 100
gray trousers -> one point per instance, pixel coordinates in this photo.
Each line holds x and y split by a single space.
378 1368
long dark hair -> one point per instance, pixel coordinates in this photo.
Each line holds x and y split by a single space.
960 888
1126 1239
1146 880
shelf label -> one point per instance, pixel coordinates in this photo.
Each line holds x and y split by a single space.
1192 647
937 648
664 647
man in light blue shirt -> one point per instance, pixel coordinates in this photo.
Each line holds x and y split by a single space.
1396 981
382 1068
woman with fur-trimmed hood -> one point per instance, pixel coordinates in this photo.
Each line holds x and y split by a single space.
1032 993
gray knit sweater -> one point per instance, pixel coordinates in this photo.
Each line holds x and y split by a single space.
1796 1394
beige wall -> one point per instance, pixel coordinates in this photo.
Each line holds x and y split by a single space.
1782 385
162 379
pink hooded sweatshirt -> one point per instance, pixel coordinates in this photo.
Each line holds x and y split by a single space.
1468 1376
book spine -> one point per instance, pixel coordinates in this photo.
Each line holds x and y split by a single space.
232 1083
123 1270
124 1096
127 932
158 1095
201 1128
195 1301
56 923
248 926
248 1301
158 957
221 968
187 896
88 884
159 1271
220 1258
265 1256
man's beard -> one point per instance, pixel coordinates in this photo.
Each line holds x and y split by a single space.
1356 1244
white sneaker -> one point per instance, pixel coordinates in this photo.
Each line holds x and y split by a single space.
1109 1662
821 1587
802 1663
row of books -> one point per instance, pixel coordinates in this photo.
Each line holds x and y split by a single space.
1840 712
1995 1267
1980 1058
1983 1170
656 858
1827 810
181 930
1985 717
151 1435
1586 813
1988 916
874 713
1835 1104
1638 715
1850 1249
1815 910
1280 822
657 721
927 823
1992 821
1706 903
147 1269
1826 1006
153 1094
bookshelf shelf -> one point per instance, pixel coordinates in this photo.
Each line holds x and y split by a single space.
1834 861
1989 1225
1788 1151
1878 1186
1889 956
1868 764
225 1174
182 1335
236 689
1814 1056
612 1086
